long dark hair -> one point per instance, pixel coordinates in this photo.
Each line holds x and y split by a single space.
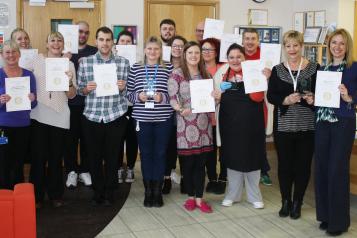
201 65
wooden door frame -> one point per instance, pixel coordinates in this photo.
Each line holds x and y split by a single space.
20 15
213 3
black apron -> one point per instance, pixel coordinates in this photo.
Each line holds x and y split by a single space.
242 131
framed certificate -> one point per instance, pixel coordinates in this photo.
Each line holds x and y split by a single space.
258 17
267 34
299 21
312 34
310 18
320 18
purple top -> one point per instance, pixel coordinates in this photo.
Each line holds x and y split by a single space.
18 118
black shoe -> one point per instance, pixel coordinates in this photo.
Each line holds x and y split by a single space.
211 186
148 193
323 226
182 186
57 203
220 187
167 186
108 203
334 233
285 208
295 212
157 194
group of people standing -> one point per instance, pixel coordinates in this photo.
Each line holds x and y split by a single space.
152 112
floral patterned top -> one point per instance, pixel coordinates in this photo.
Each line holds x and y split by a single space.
194 132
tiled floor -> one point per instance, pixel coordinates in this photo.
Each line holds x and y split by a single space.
240 220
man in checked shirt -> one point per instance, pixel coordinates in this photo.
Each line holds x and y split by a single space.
104 123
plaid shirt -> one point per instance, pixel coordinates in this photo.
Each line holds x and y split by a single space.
107 108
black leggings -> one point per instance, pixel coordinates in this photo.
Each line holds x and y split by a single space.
194 173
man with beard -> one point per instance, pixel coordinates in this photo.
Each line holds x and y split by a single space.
167 30
76 106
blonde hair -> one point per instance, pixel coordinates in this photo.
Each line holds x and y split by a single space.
293 35
16 30
155 40
53 35
348 43
12 45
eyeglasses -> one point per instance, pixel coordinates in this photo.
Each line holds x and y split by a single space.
83 32
177 47
208 50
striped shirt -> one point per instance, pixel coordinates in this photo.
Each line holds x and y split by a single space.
297 117
107 108
136 84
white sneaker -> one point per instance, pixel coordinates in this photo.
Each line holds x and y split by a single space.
258 205
129 176
72 180
85 178
227 203
174 177
120 175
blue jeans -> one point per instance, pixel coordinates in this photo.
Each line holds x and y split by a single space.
153 139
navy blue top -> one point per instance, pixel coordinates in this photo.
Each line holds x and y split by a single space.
17 118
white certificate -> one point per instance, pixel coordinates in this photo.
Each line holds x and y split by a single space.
128 52
18 89
166 53
56 77
27 56
201 98
70 34
105 76
226 41
270 54
213 28
253 78
326 92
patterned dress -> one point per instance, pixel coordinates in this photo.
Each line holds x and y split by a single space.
194 132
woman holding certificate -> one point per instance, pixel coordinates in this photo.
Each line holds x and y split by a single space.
291 87
147 90
240 131
194 131
55 78
334 138
17 97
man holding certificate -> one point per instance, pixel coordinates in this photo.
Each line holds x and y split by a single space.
102 79
17 96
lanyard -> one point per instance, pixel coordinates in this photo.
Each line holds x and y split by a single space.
297 76
151 81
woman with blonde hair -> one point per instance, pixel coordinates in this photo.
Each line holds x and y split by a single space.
334 138
147 90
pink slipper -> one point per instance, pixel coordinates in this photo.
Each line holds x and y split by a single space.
190 204
205 207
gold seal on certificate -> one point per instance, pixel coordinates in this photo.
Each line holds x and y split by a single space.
327 96
18 100
203 102
57 81
107 86
255 82
68 45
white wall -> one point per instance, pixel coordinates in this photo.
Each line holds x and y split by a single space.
12 18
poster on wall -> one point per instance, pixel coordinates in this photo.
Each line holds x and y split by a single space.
267 34
4 15
1 39
119 28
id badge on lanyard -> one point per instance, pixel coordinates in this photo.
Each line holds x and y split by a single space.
3 139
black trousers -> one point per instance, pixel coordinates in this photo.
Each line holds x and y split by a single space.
12 156
47 147
211 164
295 151
171 157
103 143
194 174
75 137
333 149
131 142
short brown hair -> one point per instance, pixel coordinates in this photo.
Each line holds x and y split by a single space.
348 42
201 64
251 30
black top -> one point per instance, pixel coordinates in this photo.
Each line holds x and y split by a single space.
85 52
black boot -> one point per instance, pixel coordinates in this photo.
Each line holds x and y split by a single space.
285 208
295 212
148 200
167 186
157 194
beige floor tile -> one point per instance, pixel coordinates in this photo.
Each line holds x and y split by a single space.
163 233
116 226
226 229
126 235
172 215
199 216
139 219
191 231
238 210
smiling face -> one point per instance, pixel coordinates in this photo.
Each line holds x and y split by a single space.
177 48
209 52
338 47
22 39
235 58
10 55
152 52
104 43
55 46
250 42
293 49
193 55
